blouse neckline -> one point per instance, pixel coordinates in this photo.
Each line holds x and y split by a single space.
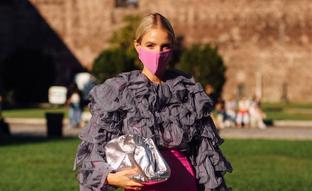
147 80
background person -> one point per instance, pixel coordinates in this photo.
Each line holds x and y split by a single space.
256 114
75 106
230 110
243 117
209 89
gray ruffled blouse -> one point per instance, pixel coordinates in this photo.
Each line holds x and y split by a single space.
175 113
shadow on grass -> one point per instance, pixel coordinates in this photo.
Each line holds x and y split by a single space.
20 139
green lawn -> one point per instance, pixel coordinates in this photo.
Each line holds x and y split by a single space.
32 112
274 111
38 166
269 165
288 111
258 165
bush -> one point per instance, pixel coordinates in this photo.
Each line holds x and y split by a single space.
205 64
121 57
111 62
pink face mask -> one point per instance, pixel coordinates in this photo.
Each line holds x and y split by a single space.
155 62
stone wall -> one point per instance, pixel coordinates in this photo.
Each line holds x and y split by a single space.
264 42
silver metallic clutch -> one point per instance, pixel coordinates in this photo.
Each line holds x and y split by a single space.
133 150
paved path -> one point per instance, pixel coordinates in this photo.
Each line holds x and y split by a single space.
276 132
39 130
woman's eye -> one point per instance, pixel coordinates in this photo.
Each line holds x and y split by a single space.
150 46
166 47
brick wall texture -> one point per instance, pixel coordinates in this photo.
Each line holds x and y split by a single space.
266 44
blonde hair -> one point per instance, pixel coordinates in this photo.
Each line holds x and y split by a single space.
152 21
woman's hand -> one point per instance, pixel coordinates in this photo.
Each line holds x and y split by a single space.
121 179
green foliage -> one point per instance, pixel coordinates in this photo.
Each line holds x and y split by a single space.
205 64
124 37
111 62
121 56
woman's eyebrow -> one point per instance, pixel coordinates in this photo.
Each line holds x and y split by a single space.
149 42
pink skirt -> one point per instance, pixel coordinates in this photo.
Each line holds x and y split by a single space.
182 175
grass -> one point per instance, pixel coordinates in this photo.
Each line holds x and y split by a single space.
287 105
32 112
38 166
274 111
269 165
288 111
258 165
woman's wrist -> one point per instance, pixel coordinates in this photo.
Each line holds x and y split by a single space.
108 182
110 178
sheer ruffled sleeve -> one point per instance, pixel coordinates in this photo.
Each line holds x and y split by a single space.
105 124
209 163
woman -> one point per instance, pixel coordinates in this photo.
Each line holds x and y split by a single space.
74 102
168 106
243 115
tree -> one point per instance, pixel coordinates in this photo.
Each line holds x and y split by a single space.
121 56
111 62
205 64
